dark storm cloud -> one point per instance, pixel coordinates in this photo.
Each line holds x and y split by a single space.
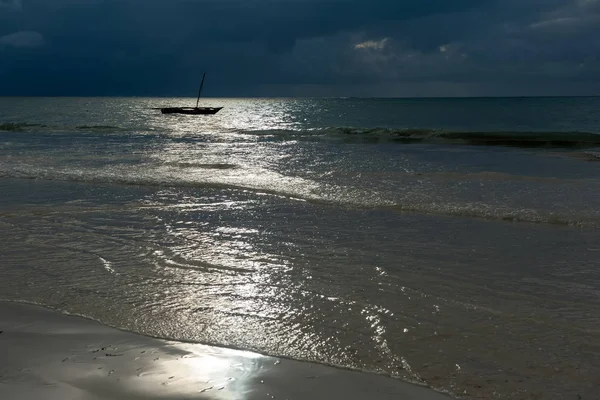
263 47
10 4
22 39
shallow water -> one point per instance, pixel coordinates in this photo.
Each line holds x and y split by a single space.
312 229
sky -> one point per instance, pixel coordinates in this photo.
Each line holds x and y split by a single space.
272 48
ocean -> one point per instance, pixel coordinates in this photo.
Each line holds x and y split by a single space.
448 242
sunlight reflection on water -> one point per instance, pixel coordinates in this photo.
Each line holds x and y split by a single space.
244 229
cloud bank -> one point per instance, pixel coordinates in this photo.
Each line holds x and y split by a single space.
22 39
301 47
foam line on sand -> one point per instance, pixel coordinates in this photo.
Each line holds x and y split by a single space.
52 356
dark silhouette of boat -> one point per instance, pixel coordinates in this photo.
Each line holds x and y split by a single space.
192 110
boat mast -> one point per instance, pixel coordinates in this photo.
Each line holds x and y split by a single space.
200 91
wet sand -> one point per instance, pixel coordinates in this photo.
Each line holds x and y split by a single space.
50 355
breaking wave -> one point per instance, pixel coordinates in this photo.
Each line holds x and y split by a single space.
308 191
43 128
524 139
99 128
19 127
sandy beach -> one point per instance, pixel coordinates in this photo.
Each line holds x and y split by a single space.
49 355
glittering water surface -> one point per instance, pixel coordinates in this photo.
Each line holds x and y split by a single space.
448 242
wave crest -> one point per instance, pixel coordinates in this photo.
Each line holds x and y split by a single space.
525 139
19 126
345 196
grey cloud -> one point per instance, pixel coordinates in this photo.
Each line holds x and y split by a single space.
11 4
160 47
516 52
22 39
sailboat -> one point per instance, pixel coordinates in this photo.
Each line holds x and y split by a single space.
192 110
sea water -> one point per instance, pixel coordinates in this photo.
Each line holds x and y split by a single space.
448 242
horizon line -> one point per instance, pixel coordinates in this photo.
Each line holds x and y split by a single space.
305 97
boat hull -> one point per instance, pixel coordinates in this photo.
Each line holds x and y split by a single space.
191 110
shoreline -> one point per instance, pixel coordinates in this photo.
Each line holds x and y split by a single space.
54 356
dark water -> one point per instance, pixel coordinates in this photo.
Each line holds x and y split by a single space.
452 242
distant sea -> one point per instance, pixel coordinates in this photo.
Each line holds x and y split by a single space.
449 242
